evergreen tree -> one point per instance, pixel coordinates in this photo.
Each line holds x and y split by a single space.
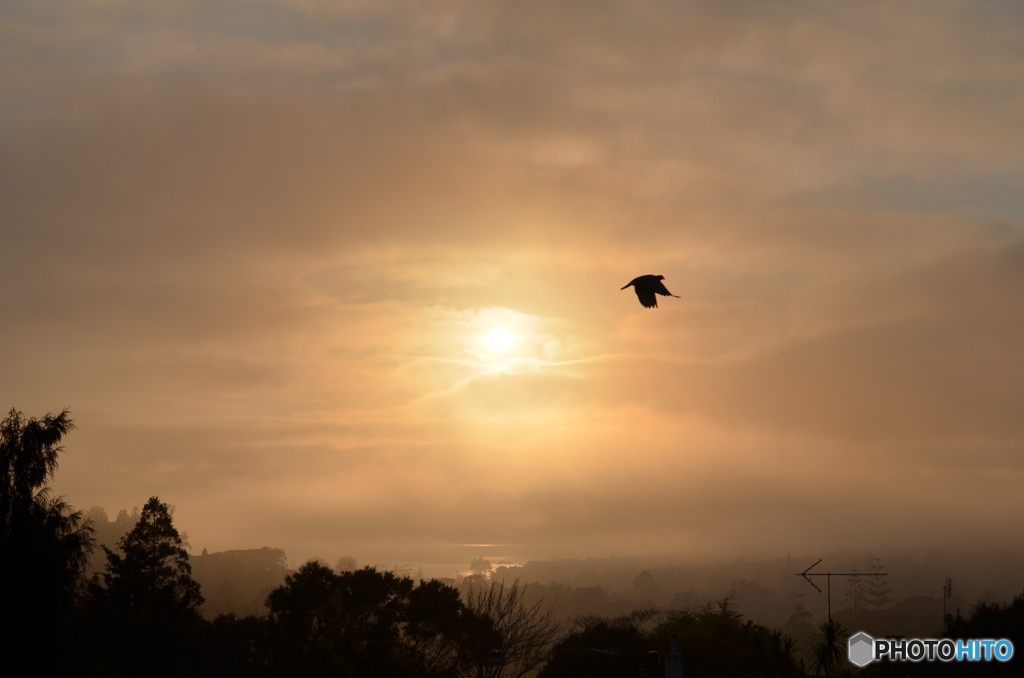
879 593
856 597
44 543
148 599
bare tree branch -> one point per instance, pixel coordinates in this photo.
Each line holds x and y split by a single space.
527 631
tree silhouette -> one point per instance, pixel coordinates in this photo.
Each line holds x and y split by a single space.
778 653
598 647
44 543
480 566
645 587
444 636
799 623
856 597
371 623
992 620
148 599
715 639
526 632
345 564
879 592
827 647
237 646
238 581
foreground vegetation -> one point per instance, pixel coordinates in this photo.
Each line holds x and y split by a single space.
139 613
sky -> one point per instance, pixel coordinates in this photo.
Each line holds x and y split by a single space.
256 247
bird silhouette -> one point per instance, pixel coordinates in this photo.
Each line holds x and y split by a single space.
646 287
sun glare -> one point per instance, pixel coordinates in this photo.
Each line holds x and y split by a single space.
498 339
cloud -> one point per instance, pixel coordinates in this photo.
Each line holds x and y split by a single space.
254 247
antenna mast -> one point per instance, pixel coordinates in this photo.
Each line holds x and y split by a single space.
807 574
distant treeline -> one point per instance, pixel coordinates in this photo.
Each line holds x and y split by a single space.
767 592
136 610
236 581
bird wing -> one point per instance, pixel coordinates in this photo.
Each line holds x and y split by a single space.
646 296
659 287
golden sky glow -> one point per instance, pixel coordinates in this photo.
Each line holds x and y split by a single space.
498 339
257 248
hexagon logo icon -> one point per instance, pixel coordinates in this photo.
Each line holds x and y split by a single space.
862 649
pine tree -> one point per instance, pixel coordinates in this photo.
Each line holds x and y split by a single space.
154 570
879 592
855 598
148 598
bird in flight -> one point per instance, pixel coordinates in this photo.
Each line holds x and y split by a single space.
646 286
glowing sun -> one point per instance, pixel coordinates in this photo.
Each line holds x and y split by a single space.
498 339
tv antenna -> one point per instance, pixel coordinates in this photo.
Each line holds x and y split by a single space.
807 574
947 593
